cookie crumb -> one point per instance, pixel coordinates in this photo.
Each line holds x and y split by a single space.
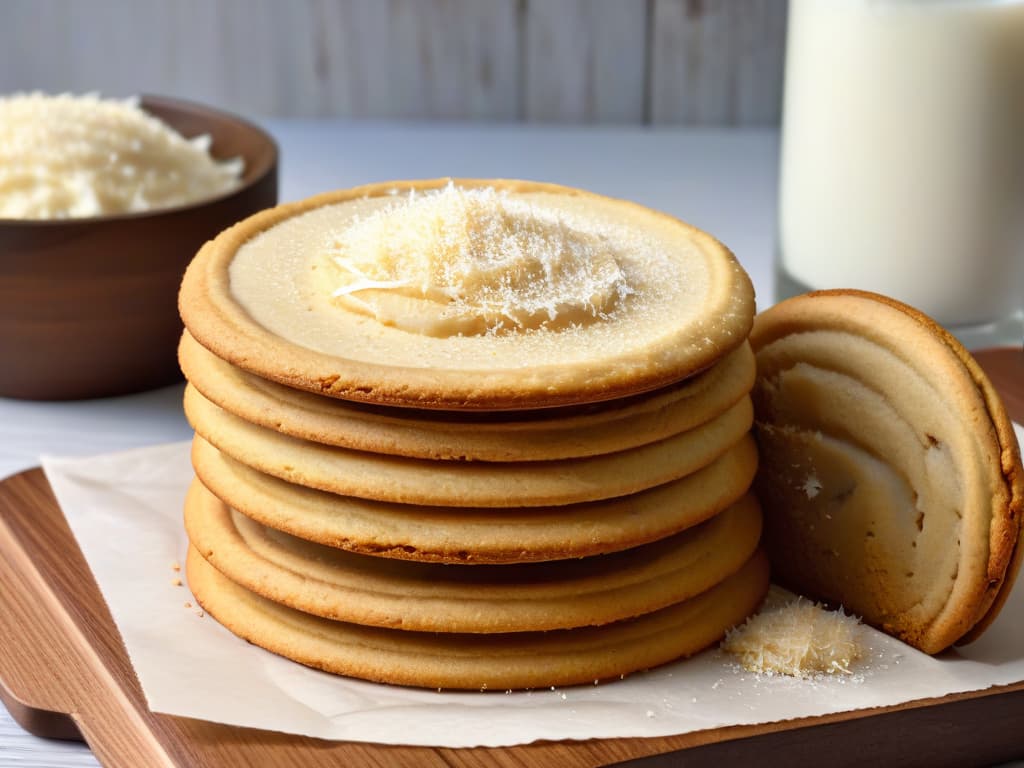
175 566
188 605
175 582
812 486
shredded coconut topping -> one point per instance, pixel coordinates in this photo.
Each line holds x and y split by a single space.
474 261
799 638
77 156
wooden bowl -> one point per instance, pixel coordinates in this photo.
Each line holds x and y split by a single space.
88 307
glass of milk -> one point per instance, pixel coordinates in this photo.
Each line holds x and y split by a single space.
903 157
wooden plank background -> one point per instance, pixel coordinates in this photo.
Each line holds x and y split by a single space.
692 62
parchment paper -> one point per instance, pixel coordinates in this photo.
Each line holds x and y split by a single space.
125 511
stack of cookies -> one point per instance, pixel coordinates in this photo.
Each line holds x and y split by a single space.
471 434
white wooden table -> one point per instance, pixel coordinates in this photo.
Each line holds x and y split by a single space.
721 180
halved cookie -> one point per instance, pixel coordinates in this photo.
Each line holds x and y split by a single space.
436 597
468 535
554 433
479 294
466 484
481 661
890 475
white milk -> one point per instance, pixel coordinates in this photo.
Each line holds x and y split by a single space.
903 152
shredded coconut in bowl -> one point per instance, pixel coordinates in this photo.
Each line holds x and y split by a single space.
80 156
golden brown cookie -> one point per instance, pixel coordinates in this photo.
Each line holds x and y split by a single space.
521 436
467 535
479 294
466 484
890 475
435 597
481 661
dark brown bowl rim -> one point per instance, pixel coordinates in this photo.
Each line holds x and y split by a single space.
250 177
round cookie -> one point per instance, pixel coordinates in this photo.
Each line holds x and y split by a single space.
466 484
435 597
650 300
890 475
481 661
522 436
466 535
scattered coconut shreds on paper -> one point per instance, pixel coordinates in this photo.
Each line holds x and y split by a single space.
797 637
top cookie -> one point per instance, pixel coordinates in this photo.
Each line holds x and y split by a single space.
473 294
890 476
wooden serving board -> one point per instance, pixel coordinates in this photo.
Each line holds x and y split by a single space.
65 674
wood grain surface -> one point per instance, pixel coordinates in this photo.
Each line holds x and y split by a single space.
585 61
623 61
64 674
716 63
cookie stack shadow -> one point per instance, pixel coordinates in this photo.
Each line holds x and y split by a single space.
466 550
